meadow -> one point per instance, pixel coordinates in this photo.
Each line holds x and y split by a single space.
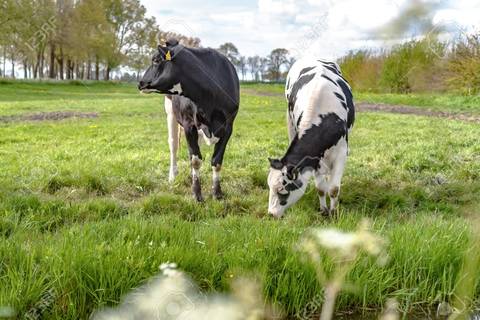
87 213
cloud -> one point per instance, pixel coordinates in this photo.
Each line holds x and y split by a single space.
323 28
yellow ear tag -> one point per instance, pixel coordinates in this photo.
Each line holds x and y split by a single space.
168 56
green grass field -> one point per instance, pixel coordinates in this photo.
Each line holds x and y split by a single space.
87 214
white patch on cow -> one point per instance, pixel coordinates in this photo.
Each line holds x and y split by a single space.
216 174
209 141
196 164
275 180
177 89
314 98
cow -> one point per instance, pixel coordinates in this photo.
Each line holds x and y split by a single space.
203 96
320 116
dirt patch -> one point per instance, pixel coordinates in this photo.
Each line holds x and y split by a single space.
49 116
380 107
401 109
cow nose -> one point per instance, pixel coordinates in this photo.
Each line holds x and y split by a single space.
143 85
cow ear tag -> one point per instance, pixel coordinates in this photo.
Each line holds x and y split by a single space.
168 56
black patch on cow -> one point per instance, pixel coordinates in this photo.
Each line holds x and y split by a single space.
299 119
339 96
297 86
306 152
329 79
342 100
283 198
294 185
306 70
331 66
349 97
333 69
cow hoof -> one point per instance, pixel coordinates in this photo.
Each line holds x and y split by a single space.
325 212
198 197
218 195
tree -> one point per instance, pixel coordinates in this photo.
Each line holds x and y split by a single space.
277 59
242 66
263 66
254 66
230 51
124 16
144 39
191 42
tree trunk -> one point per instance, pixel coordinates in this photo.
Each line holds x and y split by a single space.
77 70
82 72
4 61
89 70
51 74
41 63
97 69
60 61
25 69
107 73
69 66
13 66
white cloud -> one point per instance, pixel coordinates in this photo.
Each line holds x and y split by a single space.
324 28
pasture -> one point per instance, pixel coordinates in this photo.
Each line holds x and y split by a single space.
87 214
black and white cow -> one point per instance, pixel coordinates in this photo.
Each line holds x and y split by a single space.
320 115
203 96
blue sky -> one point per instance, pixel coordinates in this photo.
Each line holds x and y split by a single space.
324 28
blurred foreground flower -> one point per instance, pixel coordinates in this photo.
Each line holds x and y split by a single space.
173 295
7 312
344 249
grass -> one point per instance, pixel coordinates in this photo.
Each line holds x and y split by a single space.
87 214
453 103
448 102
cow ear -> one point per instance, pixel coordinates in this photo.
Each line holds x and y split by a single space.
276 163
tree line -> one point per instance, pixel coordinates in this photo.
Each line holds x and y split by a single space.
77 39
419 65
88 39
273 67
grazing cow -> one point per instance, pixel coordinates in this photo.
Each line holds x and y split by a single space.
202 90
320 115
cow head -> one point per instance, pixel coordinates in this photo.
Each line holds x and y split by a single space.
287 185
163 74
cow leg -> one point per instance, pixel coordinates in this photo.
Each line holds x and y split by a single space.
290 126
191 134
173 139
321 184
217 160
336 179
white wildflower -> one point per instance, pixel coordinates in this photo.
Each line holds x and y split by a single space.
178 298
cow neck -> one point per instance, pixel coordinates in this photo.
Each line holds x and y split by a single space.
307 151
302 156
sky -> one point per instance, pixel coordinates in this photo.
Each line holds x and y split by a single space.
322 28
